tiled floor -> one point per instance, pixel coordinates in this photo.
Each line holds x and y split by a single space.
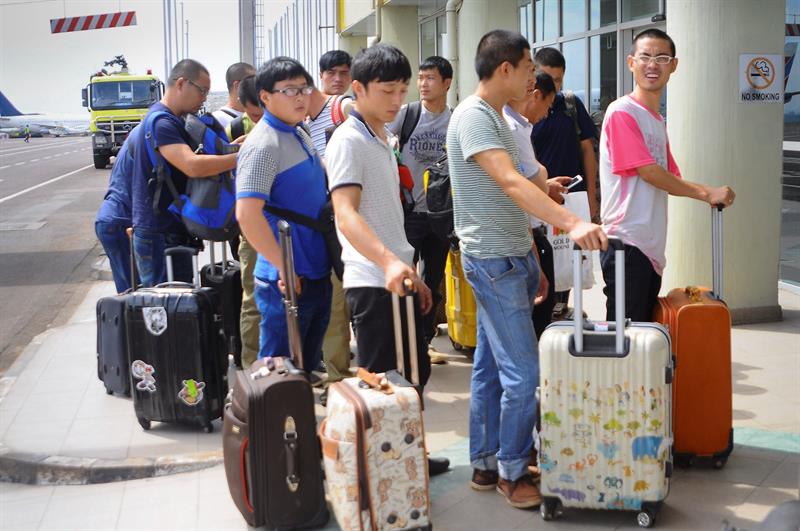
56 405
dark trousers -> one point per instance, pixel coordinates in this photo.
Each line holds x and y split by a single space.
543 313
432 251
373 326
642 284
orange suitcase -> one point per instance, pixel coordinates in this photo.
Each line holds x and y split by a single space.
699 324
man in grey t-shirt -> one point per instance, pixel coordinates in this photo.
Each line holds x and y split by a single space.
423 147
491 202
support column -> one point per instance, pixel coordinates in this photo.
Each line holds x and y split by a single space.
401 29
247 39
717 140
475 19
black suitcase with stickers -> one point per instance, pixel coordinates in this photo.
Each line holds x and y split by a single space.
177 351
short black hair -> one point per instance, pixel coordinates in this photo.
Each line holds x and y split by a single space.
498 47
653 33
187 69
279 69
247 92
237 72
439 63
381 62
545 84
334 58
549 57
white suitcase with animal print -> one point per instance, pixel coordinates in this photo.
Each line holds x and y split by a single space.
373 446
605 395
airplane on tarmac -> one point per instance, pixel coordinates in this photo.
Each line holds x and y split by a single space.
13 122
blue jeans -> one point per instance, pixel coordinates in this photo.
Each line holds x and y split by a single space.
505 372
149 246
314 312
117 246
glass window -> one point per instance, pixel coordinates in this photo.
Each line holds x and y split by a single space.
525 19
633 9
789 265
575 74
573 16
427 38
441 30
603 12
602 71
546 20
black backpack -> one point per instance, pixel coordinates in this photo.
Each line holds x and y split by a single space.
439 200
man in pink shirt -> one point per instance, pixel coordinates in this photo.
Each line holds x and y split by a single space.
638 173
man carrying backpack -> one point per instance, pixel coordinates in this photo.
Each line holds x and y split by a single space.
233 108
154 228
422 128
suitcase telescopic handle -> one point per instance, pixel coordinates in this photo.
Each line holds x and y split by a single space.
716 251
129 232
290 297
412 332
213 257
182 249
619 308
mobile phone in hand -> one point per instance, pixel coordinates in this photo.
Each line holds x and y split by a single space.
574 182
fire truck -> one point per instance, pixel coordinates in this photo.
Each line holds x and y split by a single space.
117 101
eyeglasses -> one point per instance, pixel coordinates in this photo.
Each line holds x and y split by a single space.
658 59
294 91
202 90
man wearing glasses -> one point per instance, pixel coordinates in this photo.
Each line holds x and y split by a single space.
154 229
638 173
280 169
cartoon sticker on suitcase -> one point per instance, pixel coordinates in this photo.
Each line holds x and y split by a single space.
144 372
155 319
192 392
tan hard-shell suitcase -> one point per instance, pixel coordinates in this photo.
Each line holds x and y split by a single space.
373 445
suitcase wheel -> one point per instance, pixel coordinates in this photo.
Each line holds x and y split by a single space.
550 509
208 428
645 518
458 347
109 391
144 423
719 462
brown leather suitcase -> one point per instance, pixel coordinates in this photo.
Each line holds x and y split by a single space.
699 323
270 445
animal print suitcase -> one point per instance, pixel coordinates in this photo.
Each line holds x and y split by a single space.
373 445
605 394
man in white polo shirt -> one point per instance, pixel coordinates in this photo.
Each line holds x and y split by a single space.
365 189
637 175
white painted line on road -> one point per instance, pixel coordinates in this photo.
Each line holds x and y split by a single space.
35 160
48 157
4 167
20 150
19 164
25 191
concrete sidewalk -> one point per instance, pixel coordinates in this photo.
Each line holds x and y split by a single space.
56 419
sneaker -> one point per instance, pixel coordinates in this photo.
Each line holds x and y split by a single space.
315 380
437 358
522 493
322 368
484 479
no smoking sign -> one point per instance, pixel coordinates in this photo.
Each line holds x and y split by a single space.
760 78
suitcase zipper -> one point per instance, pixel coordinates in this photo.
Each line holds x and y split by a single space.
363 423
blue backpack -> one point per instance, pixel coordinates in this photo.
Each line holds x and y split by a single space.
208 205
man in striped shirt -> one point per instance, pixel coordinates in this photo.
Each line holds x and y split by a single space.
491 202
327 109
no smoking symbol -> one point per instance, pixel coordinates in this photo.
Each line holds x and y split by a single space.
760 73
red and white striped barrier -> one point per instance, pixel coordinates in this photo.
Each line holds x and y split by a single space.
90 22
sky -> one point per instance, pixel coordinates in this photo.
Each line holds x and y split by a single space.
42 72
